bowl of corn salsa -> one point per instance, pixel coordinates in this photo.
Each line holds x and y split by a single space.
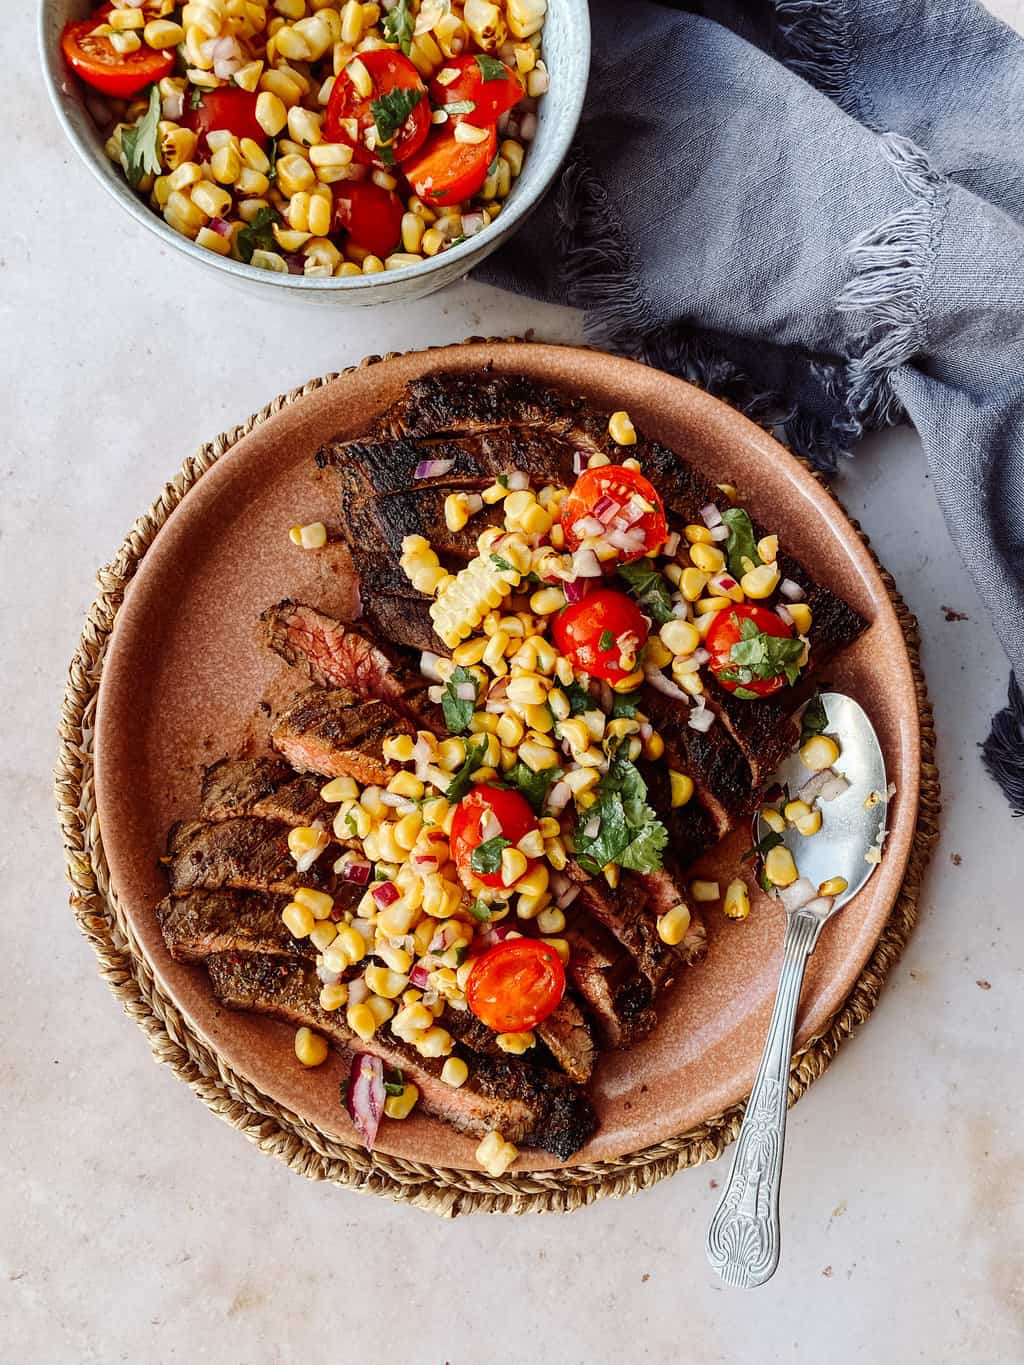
360 152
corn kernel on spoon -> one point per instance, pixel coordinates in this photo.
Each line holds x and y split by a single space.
743 1239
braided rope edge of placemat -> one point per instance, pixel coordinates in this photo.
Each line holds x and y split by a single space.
274 1128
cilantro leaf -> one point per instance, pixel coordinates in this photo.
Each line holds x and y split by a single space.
195 98
742 543
258 235
458 711
534 786
460 783
650 588
629 832
622 707
480 911
490 68
140 145
394 1081
606 641
486 857
399 24
763 846
814 719
756 655
580 699
500 563
390 111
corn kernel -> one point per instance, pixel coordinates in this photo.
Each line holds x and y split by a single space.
708 558
681 637
434 1042
310 1048
800 613
401 1106
271 113
494 1154
809 824
779 867
384 982
621 429
819 752
455 1072
834 886
551 921
298 920
768 549
513 866
681 787
760 582
361 1021
698 535
319 903
333 996
340 789
705 890
736 904
795 810
516 1043
673 925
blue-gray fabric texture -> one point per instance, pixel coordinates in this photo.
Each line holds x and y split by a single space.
816 210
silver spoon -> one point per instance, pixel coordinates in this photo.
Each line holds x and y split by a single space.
743 1239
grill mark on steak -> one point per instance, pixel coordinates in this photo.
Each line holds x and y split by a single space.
265 787
691 828
567 1036
622 913
405 620
614 993
530 1106
440 404
325 731
202 923
245 853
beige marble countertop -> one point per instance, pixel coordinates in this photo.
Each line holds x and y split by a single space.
136 1227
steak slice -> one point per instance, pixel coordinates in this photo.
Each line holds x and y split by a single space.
404 620
445 403
691 828
335 654
264 787
527 1104
764 731
567 1036
662 894
201 923
616 996
244 853
622 912
720 772
328 731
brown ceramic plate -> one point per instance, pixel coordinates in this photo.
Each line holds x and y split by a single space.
184 678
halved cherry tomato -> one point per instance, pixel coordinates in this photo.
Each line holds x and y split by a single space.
588 631
606 494
98 62
515 985
510 810
491 97
372 217
445 171
725 632
231 108
388 71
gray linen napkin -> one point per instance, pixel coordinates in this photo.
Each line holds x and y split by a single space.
816 210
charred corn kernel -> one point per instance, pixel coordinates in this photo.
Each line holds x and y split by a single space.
298 920
213 241
736 904
455 1072
516 1043
340 789
384 982
434 1042
406 784
333 996
707 606
760 582
834 886
401 1106
681 637
801 616
775 822
188 173
310 1048
361 1021
271 114
319 903
768 549
555 852
305 838
323 934
698 535
705 891
673 924
621 429
513 865
795 810
809 824
551 920
819 753
177 146
681 787
779 867
709 558
494 1154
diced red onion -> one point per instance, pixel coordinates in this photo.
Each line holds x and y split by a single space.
308 858
724 581
559 796
710 515
433 469
585 564
465 691
173 105
605 509
833 787
503 122
813 785
428 666
220 226
701 719
821 905
579 462
358 990
671 545
519 480
528 127
784 614
565 898
791 591
719 533
425 862
588 526
797 894
607 695
498 689
419 976
357 870
576 588
499 934
646 730
437 836
629 542
365 1095
385 893
421 756
592 826
490 827
664 685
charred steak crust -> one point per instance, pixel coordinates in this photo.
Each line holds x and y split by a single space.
244 853
264 787
530 1106
329 732
201 923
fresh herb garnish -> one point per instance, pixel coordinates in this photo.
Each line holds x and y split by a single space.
458 711
580 699
744 693
394 1081
460 783
399 25
350 824
500 563
606 641
814 720
258 235
390 111
622 707
490 68
742 543
650 588
534 786
492 169
502 480
271 154
486 857
480 911
757 655
195 98
629 832
459 107
140 145
763 846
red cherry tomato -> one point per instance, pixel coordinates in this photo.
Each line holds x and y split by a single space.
444 171
605 493
388 71
513 814
491 97
100 65
515 985
587 632
372 217
725 632
231 108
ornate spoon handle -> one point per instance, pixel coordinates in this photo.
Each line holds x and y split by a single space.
743 1239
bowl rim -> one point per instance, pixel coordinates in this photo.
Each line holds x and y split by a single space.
470 252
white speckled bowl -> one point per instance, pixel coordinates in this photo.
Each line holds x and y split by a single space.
567 54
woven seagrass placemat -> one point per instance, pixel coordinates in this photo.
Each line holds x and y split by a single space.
276 1129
